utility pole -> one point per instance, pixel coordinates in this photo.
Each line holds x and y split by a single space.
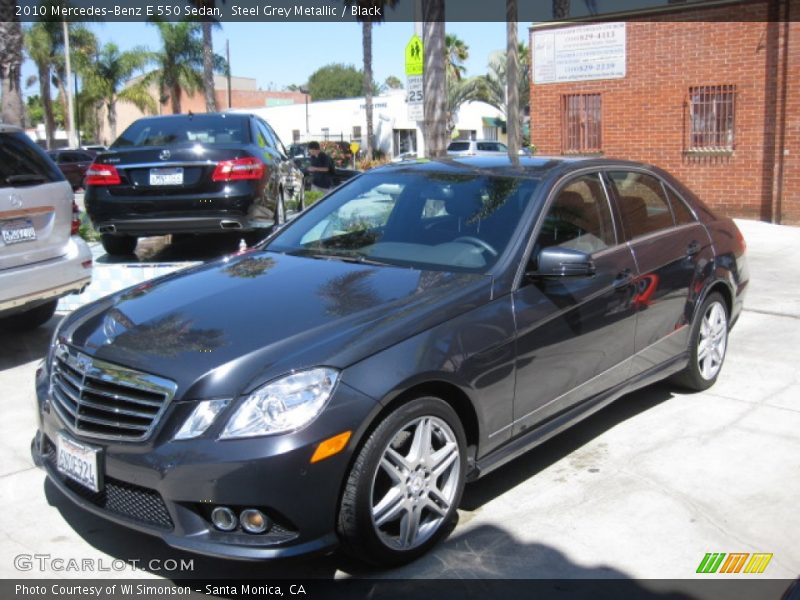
73 142
77 114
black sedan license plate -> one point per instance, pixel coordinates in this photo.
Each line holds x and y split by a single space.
20 230
78 461
173 176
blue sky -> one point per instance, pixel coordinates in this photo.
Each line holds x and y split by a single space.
282 54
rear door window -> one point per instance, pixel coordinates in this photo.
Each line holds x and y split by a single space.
679 209
23 163
642 203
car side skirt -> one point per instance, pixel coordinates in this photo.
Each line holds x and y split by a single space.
538 435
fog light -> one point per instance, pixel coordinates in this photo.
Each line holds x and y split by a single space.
254 521
224 518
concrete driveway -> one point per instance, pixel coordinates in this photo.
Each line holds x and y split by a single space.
643 489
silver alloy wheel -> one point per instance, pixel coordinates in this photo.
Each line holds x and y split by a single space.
712 341
415 483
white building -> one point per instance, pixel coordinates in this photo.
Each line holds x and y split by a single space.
393 133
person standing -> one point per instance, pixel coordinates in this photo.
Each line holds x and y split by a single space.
321 168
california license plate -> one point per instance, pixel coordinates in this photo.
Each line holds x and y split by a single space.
173 176
78 461
20 230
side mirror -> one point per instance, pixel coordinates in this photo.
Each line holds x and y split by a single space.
563 262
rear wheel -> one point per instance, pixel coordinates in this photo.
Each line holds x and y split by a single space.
30 319
403 490
708 344
119 245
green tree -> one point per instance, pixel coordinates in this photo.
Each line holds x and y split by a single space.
40 47
495 82
457 54
335 81
11 45
106 83
179 63
392 83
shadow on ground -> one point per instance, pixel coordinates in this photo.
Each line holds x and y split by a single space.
182 248
20 347
482 552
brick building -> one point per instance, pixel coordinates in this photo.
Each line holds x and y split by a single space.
712 94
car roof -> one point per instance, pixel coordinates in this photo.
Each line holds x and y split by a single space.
527 166
225 115
5 128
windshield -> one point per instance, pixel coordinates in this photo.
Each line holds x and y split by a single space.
205 129
424 220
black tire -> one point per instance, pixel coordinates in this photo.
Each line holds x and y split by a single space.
30 319
359 534
119 245
697 376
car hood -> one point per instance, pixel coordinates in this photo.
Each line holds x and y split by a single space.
225 327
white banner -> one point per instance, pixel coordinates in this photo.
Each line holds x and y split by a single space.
579 53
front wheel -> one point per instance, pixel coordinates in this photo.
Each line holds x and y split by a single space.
708 344
402 493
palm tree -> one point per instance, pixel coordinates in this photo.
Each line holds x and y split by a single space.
106 84
368 86
460 91
457 54
11 43
513 124
39 44
180 62
208 56
83 46
435 79
495 82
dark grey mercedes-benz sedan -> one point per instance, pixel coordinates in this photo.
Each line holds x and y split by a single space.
419 327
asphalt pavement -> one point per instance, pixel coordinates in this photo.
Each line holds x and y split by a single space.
643 489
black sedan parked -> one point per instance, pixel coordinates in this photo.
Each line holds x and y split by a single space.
426 323
204 173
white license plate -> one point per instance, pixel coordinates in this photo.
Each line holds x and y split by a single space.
78 461
21 230
172 176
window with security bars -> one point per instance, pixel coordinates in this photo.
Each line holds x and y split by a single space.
582 123
711 117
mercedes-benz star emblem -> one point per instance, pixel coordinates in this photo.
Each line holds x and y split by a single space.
15 200
164 155
83 363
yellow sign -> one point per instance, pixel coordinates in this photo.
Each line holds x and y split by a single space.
354 147
415 57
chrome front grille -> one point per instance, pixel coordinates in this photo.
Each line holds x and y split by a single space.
98 399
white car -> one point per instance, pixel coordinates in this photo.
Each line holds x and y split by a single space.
41 256
477 148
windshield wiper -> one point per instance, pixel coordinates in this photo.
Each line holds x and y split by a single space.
349 258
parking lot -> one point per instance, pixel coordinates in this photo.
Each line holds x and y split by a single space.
643 489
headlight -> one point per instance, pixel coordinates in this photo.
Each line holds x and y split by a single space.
202 416
286 404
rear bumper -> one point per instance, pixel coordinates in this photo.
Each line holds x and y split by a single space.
239 206
26 286
216 223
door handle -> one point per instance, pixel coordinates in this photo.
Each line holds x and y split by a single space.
693 248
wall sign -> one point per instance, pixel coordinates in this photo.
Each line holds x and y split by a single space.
579 53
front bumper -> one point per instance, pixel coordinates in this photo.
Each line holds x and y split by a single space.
168 488
28 285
